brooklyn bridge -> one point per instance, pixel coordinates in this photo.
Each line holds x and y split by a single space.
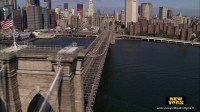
37 78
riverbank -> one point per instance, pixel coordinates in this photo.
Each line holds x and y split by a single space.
19 42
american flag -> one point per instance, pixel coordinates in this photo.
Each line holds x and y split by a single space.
7 23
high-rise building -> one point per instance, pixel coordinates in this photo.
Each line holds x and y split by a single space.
24 18
13 3
162 12
80 9
17 19
97 20
1 3
147 10
123 17
170 14
139 10
52 18
178 19
90 9
131 11
48 4
34 17
66 6
45 18
34 2
75 21
116 15
58 12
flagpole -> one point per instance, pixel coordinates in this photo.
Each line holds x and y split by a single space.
13 32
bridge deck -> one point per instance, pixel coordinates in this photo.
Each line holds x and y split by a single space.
93 65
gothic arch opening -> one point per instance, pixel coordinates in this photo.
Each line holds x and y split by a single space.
2 106
105 25
36 104
110 25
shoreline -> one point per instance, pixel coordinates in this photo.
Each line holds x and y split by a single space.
19 42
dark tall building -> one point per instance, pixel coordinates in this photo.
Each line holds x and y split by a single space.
139 10
34 17
75 21
34 2
52 19
48 4
66 6
37 2
17 18
24 18
45 18
13 3
80 9
170 13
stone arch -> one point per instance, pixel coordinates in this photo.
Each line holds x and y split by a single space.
2 106
36 103
26 102
105 25
108 23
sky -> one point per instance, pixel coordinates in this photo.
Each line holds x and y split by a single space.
186 7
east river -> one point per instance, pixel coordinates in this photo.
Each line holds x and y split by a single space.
138 75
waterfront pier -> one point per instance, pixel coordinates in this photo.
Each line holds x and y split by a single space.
157 39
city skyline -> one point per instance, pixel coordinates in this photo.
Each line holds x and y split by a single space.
188 8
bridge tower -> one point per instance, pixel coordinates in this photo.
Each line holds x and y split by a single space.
28 72
108 23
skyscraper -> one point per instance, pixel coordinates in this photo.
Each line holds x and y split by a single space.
75 21
131 11
34 2
139 10
123 17
116 15
17 18
13 3
46 18
66 6
80 9
170 13
52 18
147 10
90 9
34 17
162 12
37 2
1 3
48 4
